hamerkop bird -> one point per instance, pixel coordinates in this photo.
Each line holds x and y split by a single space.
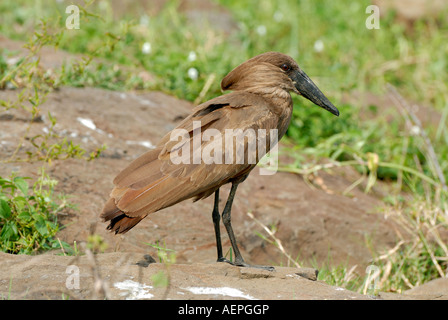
260 99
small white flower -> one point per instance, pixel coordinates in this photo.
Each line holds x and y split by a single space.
261 30
193 74
192 56
278 16
146 48
144 20
415 131
319 46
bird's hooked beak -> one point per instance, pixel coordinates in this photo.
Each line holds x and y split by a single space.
309 90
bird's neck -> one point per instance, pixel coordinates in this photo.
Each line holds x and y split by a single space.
278 98
280 103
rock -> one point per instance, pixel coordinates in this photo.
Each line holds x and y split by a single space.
308 273
436 289
116 276
147 260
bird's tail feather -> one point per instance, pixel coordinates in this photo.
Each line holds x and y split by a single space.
119 221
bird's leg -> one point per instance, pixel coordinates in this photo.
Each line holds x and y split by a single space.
227 223
239 261
216 217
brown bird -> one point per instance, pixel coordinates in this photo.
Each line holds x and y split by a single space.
174 171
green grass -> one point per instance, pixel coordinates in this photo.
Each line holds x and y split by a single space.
375 141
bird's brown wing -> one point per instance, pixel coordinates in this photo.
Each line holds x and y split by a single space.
153 182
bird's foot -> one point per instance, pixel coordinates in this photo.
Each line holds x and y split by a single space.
245 265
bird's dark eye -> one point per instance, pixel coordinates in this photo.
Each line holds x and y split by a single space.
285 67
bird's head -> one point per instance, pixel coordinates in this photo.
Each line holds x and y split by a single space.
273 70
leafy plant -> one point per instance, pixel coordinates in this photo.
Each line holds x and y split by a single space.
29 215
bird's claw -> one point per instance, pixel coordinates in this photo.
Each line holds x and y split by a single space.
245 265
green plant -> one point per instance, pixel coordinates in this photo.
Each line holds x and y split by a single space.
341 276
165 255
28 215
163 277
96 243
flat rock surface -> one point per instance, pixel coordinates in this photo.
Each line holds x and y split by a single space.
50 277
117 276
